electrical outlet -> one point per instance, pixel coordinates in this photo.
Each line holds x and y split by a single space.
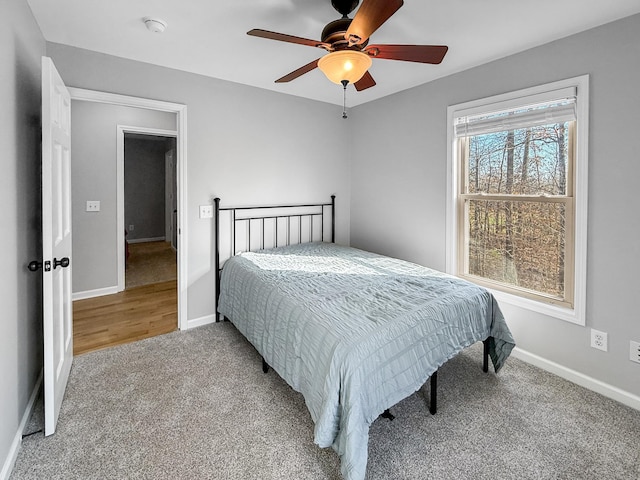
132 228
599 340
634 351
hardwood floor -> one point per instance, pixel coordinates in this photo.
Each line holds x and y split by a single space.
131 315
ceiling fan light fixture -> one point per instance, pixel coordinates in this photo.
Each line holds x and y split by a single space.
349 65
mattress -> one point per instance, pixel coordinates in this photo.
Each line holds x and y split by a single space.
353 331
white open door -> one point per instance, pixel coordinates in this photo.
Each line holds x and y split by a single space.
56 241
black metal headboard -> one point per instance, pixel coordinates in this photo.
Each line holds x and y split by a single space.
259 227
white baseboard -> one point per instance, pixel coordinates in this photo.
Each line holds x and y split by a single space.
578 378
199 322
145 240
10 461
98 292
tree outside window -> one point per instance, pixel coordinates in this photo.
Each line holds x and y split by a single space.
512 237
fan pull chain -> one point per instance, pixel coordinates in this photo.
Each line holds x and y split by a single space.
344 98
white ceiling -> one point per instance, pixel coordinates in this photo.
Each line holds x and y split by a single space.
208 37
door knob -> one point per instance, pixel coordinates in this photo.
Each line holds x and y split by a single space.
63 262
34 266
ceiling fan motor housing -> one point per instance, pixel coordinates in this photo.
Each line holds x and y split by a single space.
333 34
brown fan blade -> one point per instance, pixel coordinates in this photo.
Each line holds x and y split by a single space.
365 82
369 17
296 73
287 38
408 53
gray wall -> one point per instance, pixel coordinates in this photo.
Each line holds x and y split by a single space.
407 173
144 192
245 145
21 48
93 177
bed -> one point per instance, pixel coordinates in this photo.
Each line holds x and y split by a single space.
353 331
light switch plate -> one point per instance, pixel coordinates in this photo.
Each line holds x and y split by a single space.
93 205
634 351
206 211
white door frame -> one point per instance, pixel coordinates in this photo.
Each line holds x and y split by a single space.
122 129
181 166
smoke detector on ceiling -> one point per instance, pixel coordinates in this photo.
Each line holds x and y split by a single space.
155 25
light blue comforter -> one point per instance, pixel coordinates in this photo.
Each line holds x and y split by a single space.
354 332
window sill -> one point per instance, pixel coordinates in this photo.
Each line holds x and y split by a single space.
562 313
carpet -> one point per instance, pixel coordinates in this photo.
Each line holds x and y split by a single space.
195 404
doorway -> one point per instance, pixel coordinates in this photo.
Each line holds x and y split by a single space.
150 209
157 294
147 299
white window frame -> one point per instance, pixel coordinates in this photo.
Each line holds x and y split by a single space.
576 314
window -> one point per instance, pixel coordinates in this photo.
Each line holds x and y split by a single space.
517 207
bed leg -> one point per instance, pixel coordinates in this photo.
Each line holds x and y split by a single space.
485 356
387 414
265 366
433 402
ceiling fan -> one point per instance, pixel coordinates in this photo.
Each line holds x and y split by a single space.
347 41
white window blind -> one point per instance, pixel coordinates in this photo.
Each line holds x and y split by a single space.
553 107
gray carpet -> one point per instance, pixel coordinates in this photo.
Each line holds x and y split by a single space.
196 405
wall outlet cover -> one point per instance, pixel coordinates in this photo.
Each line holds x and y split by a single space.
599 340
